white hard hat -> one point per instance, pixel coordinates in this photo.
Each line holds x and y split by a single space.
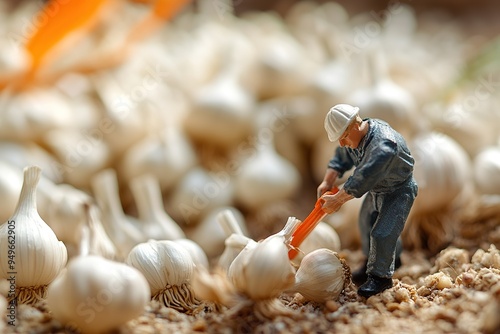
338 119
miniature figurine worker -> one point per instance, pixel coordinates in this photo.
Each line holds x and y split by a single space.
384 172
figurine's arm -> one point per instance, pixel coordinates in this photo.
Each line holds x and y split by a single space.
331 176
341 161
372 169
337 166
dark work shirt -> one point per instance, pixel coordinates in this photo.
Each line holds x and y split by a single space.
382 159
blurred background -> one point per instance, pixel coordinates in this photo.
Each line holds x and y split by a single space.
222 104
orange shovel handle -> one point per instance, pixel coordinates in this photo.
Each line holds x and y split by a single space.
306 227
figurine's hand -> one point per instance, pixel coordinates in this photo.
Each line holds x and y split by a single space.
323 188
331 203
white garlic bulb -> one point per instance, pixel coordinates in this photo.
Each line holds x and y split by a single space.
199 192
155 222
10 184
30 250
322 236
222 110
97 295
268 258
209 225
265 177
120 227
384 99
168 268
197 253
94 237
65 212
487 170
168 156
321 276
442 168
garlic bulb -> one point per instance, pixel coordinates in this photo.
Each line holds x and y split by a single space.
284 66
97 295
442 171
168 268
265 177
199 192
65 212
94 236
10 184
384 99
29 115
30 253
322 236
222 110
168 156
27 153
155 222
209 225
120 228
197 253
81 154
322 275
442 167
345 223
486 167
124 116
269 259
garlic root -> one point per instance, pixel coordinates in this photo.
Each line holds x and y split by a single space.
179 297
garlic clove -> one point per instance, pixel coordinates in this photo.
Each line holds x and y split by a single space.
322 276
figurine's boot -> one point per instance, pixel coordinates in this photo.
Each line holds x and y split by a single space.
374 285
359 276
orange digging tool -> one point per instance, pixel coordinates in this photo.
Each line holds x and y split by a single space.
306 227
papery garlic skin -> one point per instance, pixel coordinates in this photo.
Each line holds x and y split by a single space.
97 294
262 271
197 254
322 236
29 247
168 268
321 276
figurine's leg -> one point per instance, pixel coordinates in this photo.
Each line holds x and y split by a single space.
394 210
367 218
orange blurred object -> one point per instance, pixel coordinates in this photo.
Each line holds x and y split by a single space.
308 225
69 17
76 18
